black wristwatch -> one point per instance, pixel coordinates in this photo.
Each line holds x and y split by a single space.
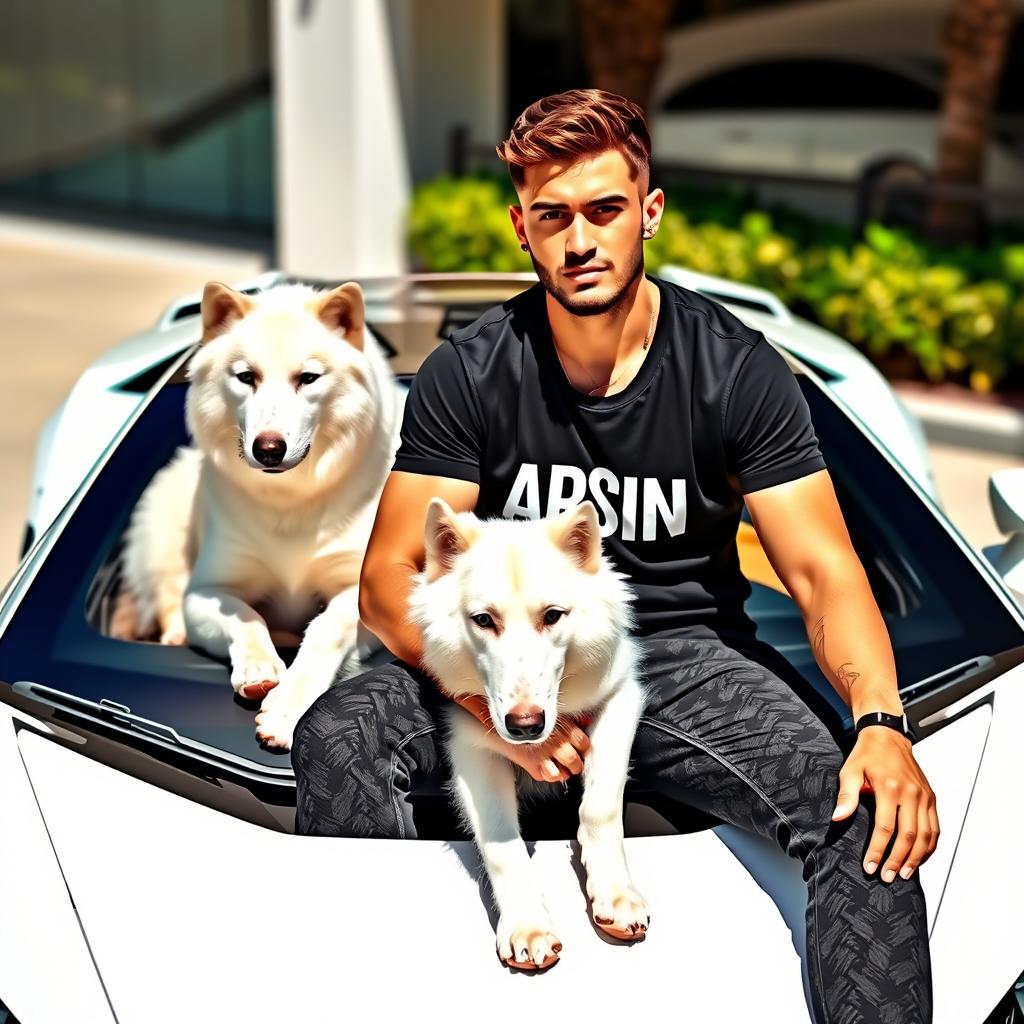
897 722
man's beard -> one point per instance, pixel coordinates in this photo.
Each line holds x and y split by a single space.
580 304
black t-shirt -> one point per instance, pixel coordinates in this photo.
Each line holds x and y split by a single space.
712 398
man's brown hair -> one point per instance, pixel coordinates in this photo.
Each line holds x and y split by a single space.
575 123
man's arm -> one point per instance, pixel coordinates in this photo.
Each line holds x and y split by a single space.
802 531
395 553
801 528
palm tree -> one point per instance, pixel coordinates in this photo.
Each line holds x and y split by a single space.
975 36
622 44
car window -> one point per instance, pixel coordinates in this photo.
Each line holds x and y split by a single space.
804 85
939 608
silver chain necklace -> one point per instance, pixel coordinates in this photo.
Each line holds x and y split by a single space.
618 376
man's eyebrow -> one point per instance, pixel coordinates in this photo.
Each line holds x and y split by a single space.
589 202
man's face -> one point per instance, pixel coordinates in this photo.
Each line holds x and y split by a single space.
583 222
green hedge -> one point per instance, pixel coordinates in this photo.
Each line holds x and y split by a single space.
958 314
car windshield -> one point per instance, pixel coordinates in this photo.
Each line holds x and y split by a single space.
939 607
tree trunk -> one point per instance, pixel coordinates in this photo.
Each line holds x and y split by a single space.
975 37
622 44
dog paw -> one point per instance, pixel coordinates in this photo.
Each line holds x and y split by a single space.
620 911
172 627
527 941
256 673
278 715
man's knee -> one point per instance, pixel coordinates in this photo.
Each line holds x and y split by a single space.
368 707
821 763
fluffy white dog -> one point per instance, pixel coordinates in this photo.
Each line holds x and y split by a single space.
531 615
263 524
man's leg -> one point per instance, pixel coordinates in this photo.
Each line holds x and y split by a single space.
361 747
723 732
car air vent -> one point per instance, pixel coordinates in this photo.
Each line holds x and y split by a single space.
823 372
737 300
142 382
192 309
457 317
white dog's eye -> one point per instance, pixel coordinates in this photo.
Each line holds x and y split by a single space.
309 378
246 377
483 620
552 615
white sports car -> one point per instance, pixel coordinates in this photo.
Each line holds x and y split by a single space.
150 872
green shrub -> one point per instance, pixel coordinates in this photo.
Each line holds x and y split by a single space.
958 312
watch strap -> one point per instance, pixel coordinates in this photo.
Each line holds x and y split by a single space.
897 722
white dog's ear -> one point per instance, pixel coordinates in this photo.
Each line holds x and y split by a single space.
344 310
445 538
578 533
220 307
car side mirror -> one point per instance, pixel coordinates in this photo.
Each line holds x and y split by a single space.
1006 496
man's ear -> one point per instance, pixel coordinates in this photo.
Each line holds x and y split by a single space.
515 212
652 208
445 538
343 310
578 534
220 307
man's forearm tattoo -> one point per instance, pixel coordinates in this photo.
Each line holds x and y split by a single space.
843 674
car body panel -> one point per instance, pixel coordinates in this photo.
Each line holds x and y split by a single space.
978 927
79 431
242 922
904 39
833 145
46 970
210 895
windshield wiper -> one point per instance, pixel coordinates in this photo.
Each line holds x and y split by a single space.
120 717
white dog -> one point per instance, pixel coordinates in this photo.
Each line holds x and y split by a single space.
531 615
262 526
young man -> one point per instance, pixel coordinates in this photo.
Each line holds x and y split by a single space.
669 413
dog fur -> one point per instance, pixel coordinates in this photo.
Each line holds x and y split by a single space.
484 603
262 525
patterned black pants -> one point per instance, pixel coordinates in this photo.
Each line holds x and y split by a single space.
724 731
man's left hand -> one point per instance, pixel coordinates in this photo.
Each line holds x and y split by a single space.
882 761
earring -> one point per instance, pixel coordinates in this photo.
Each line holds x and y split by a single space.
524 247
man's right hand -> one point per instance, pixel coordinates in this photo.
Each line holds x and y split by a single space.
555 760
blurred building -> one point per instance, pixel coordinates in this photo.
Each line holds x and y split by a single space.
310 121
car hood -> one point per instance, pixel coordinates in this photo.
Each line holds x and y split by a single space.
191 911
187 909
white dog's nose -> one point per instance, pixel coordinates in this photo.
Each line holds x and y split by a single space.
268 449
525 723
